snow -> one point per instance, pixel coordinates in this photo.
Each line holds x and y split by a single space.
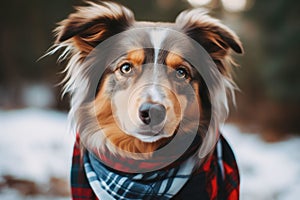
37 95
35 145
268 170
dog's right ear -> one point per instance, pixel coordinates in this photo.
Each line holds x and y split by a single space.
92 24
217 39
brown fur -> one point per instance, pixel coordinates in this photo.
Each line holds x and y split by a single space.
136 57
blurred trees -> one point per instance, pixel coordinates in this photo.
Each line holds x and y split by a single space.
26 34
269 76
279 25
155 10
270 70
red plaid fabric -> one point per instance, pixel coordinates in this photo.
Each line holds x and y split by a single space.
212 181
80 188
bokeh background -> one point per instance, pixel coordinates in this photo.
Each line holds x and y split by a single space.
264 127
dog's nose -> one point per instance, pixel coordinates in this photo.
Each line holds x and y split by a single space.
152 114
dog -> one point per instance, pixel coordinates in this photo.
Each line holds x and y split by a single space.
147 99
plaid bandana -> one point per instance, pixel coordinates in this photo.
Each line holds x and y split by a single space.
107 184
217 178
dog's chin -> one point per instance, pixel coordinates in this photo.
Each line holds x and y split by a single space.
150 137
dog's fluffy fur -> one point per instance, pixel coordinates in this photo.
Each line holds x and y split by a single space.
105 121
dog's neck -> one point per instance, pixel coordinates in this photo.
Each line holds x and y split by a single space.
157 160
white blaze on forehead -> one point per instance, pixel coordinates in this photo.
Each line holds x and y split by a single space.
157 37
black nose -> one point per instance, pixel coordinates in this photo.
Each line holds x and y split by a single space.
152 114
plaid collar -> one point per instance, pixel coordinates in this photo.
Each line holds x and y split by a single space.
110 184
217 178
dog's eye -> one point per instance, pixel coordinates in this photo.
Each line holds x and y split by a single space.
181 73
126 68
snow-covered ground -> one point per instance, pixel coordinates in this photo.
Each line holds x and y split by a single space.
35 146
35 152
269 171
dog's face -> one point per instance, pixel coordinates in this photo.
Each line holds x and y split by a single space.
147 102
151 91
148 90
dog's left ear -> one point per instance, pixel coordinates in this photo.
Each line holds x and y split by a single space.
214 37
92 24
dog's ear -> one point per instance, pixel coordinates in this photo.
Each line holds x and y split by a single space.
214 37
91 24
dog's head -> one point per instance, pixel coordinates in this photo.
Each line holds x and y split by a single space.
141 80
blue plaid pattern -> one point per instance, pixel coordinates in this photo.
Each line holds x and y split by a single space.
109 184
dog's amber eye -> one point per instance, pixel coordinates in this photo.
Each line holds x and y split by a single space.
181 73
126 68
